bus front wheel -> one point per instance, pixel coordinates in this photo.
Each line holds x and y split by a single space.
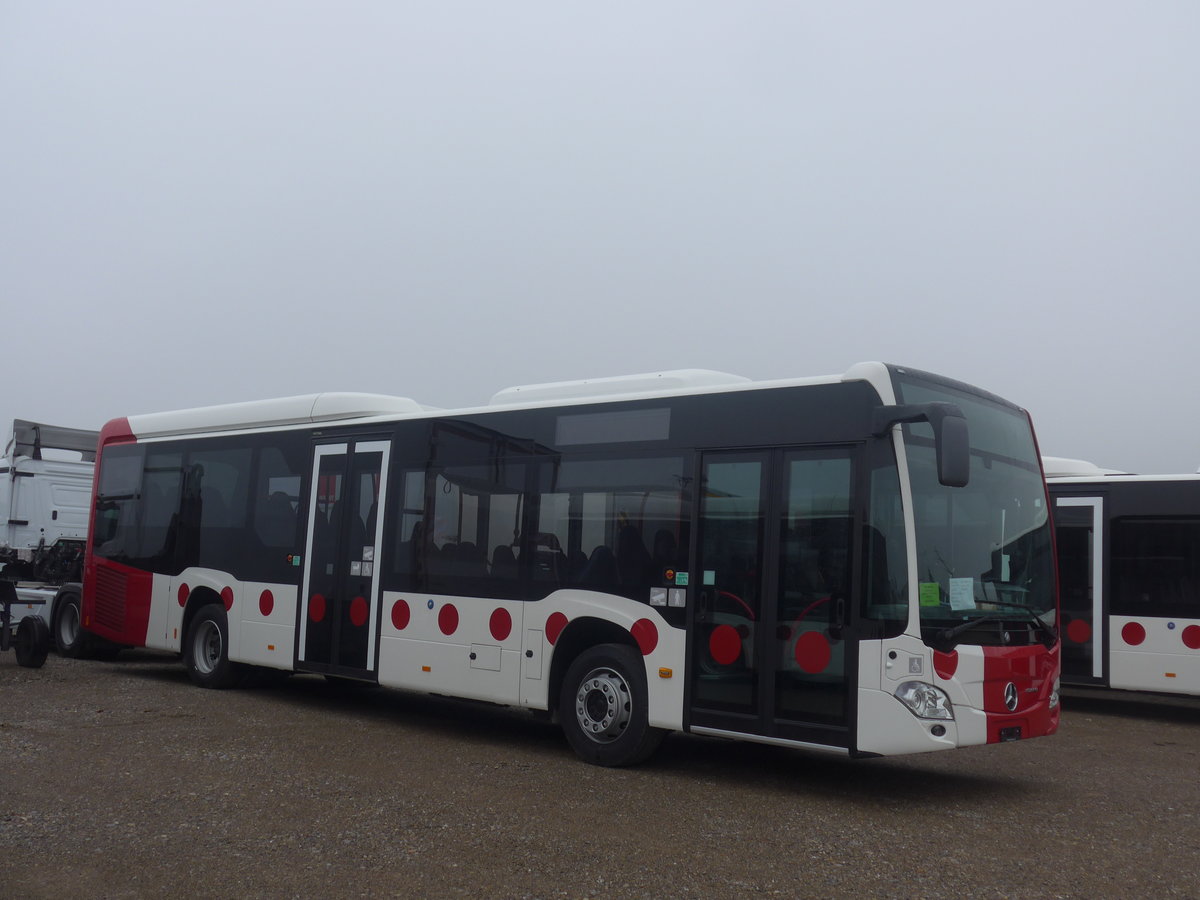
603 707
206 651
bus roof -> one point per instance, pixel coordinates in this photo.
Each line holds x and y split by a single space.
649 382
303 409
330 407
1060 469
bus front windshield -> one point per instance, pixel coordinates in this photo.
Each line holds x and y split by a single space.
984 551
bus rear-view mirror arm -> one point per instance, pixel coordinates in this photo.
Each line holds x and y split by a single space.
950 438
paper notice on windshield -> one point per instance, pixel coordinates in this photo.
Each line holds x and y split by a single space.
930 594
962 593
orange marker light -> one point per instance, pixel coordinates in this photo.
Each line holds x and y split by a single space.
270 646
426 669
665 673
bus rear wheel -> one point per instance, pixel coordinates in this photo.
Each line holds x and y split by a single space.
206 650
603 707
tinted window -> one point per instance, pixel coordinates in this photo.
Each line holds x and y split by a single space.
1155 567
616 525
115 531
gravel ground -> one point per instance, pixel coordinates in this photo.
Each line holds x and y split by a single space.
120 779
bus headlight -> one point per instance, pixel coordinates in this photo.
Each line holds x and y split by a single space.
1054 695
925 701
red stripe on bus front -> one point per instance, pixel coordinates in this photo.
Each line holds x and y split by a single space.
1031 671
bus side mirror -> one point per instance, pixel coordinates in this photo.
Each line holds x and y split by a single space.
950 439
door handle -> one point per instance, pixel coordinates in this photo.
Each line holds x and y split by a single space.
837 624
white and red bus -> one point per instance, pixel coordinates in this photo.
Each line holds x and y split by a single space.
1129 575
859 563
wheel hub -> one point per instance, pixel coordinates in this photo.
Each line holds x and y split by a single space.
208 647
602 705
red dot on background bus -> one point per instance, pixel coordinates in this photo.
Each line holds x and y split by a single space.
813 652
266 602
316 608
448 619
646 635
945 664
1191 637
554 626
358 612
400 615
500 624
227 598
1133 634
724 644
184 591
1079 631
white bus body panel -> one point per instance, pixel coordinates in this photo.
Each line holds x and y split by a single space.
515 670
262 631
887 726
1161 662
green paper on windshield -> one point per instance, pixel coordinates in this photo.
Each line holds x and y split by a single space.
931 595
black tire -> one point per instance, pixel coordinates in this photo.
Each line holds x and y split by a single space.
206 650
603 706
32 642
69 637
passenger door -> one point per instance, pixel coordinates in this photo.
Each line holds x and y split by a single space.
339 609
1079 536
769 649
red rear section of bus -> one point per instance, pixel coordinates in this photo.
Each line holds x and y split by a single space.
116 598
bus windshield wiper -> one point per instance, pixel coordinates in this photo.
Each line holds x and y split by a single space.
947 638
1008 604
1037 620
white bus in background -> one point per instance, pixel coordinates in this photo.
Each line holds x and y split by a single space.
1129 576
858 563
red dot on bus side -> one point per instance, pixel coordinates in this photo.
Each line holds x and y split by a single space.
266 602
1133 634
448 619
813 652
646 635
358 612
316 608
1191 637
554 626
724 644
500 624
945 664
227 598
184 591
400 615
1079 631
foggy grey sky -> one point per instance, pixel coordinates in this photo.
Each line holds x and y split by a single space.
207 202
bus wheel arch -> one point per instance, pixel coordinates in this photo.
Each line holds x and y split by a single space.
600 696
579 636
